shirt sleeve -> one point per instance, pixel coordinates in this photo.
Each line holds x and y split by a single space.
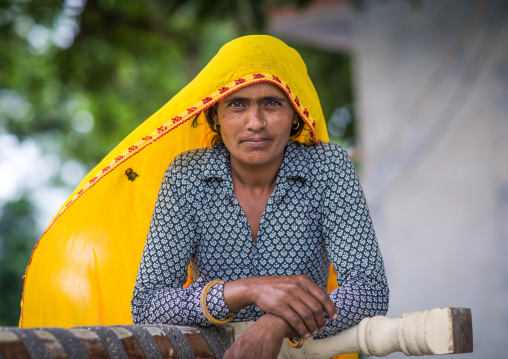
158 293
352 248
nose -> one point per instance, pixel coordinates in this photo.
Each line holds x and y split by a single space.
256 120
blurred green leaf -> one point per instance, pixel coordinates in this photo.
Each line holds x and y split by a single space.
78 76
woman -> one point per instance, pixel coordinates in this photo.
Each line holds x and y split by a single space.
260 216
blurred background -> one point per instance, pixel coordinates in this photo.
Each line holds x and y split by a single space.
416 91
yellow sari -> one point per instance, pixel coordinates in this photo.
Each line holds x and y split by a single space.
83 268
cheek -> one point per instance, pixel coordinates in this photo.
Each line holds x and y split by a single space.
283 123
230 128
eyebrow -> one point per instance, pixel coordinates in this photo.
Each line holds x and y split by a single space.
265 98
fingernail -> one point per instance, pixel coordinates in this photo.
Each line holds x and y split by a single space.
314 332
335 316
307 336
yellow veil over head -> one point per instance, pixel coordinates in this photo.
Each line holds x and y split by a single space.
83 268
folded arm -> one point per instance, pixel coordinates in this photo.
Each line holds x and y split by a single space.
158 294
352 248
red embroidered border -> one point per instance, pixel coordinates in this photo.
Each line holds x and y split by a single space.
191 112
170 126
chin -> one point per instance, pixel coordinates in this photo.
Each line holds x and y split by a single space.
255 161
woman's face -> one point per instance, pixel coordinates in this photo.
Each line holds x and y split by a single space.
255 124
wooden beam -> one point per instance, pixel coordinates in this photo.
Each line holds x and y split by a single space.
435 331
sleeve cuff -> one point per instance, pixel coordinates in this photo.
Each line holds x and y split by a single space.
216 303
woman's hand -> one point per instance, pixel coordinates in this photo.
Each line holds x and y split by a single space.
296 299
262 340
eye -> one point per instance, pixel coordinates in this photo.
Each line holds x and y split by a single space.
273 103
235 104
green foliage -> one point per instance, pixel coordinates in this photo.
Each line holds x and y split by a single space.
78 76
331 74
126 61
17 226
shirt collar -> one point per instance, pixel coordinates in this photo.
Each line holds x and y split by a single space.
295 164
216 164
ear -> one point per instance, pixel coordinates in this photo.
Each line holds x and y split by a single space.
295 118
215 117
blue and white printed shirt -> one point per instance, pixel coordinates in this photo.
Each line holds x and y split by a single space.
317 214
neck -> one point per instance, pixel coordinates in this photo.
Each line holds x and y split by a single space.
261 177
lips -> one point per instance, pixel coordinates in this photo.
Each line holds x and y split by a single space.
255 142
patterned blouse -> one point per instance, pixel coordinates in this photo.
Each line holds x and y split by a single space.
317 214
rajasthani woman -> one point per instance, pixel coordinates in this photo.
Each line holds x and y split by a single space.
259 215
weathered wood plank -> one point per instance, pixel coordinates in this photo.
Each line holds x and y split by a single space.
435 331
462 330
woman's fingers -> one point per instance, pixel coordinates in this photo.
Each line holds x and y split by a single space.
327 304
317 293
308 320
297 299
294 318
262 340
311 312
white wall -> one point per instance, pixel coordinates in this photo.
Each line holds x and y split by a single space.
432 91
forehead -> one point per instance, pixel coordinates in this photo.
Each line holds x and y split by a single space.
257 91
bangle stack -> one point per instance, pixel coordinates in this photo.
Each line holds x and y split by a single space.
204 308
296 344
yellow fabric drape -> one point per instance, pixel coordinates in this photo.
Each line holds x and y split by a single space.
83 268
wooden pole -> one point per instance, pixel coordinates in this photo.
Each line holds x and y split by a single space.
435 331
